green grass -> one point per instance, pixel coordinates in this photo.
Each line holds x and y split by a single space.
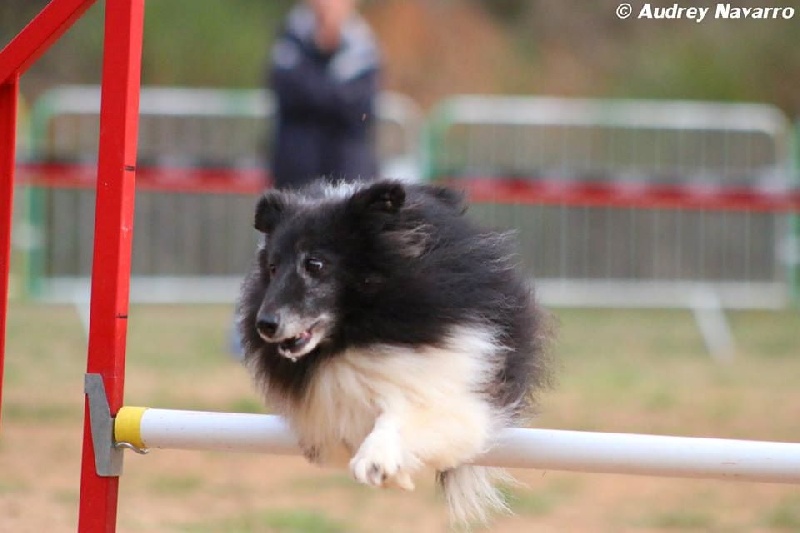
169 339
45 344
171 485
785 515
246 404
635 371
681 520
68 497
653 362
291 521
659 399
329 482
766 334
42 412
541 498
11 486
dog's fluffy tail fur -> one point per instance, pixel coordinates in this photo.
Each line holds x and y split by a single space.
472 494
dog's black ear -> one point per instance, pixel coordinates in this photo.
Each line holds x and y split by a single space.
271 207
448 197
381 197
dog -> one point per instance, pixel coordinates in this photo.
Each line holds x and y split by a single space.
392 333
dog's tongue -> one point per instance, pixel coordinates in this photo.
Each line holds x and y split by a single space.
298 342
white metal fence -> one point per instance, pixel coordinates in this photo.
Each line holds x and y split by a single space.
206 148
647 254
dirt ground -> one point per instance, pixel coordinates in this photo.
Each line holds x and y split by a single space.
620 371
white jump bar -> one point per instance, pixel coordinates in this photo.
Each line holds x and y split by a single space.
541 449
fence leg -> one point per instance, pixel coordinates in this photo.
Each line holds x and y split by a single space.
113 237
710 318
9 94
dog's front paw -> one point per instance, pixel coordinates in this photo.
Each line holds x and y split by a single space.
380 463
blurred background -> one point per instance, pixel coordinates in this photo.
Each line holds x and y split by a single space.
649 168
567 48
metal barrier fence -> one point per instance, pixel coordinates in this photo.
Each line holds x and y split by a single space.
200 166
792 248
617 203
629 203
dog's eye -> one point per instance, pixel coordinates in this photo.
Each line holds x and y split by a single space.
314 265
272 268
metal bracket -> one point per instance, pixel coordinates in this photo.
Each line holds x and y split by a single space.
107 456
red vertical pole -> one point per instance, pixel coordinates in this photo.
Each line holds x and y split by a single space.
113 237
9 94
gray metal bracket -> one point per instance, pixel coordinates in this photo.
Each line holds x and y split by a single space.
107 457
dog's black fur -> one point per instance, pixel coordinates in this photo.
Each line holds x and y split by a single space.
403 265
391 296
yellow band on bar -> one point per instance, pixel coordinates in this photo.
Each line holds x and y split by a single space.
128 426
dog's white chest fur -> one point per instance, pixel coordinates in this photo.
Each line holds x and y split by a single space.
429 395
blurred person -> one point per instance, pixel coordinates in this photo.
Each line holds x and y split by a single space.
324 73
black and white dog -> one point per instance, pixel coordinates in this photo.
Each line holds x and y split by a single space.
392 333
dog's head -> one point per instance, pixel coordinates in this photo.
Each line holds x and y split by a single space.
326 252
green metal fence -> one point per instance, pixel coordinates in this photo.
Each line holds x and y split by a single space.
792 251
581 255
188 220
603 255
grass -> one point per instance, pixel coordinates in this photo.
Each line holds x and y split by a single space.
10 486
328 482
785 515
178 486
41 413
634 371
294 521
246 404
682 520
540 501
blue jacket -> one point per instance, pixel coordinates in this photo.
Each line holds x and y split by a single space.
325 119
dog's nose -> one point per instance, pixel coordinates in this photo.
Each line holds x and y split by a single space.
267 324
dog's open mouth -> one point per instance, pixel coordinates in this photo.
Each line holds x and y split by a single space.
295 345
300 345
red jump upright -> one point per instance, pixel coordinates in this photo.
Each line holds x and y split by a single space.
114 211
113 237
9 93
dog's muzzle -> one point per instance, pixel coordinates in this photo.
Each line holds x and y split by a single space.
290 346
